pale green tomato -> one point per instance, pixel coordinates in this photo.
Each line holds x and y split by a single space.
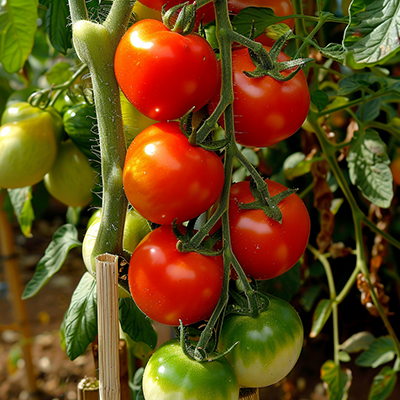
171 375
28 150
71 179
134 121
135 229
268 345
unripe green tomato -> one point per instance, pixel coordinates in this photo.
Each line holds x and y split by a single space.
135 229
134 121
22 111
143 12
171 375
71 179
28 150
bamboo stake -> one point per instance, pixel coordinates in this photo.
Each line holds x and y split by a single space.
11 266
108 326
249 394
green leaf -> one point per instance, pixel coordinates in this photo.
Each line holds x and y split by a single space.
284 286
355 82
262 18
383 384
321 315
21 202
381 351
334 51
18 24
320 99
357 342
64 239
372 35
338 381
60 73
80 320
344 357
369 111
135 324
369 168
58 25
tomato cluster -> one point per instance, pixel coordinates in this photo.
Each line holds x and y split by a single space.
169 179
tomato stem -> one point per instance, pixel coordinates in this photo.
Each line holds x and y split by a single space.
95 45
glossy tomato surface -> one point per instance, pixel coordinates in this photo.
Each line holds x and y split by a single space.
265 248
162 73
171 375
266 110
269 345
166 178
168 285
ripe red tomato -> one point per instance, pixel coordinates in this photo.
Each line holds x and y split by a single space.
265 248
166 178
162 73
205 13
395 168
267 111
168 285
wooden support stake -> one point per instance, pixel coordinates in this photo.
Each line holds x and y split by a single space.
249 394
11 266
108 326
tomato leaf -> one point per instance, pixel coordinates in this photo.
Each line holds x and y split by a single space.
262 18
369 168
135 323
80 320
334 51
22 204
58 26
321 315
383 384
352 83
372 35
284 286
357 342
381 351
369 111
338 381
320 99
59 73
18 24
64 239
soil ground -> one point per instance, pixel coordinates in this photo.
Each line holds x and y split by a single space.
57 376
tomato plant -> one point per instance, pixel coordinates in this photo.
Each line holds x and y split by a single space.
169 367
168 285
269 345
267 111
266 248
151 62
29 142
166 178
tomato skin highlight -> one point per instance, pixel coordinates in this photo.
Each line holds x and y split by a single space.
162 73
171 375
166 178
269 345
264 248
266 111
168 285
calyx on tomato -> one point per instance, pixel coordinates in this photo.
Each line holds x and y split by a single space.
267 62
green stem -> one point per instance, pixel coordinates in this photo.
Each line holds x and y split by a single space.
300 26
95 45
358 218
332 293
